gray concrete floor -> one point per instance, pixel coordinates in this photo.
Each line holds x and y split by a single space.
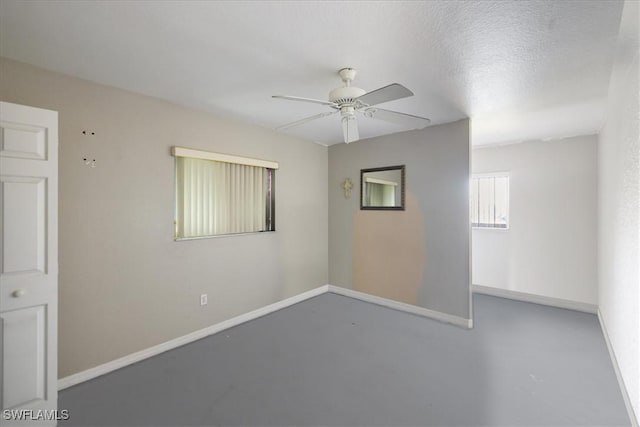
336 361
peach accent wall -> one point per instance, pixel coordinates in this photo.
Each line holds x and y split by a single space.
388 247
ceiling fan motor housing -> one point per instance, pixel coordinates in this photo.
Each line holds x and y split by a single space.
346 95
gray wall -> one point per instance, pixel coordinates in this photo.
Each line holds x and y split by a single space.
125 284
619 207
550 247
418 256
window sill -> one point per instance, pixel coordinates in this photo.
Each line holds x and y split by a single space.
219 236
490 228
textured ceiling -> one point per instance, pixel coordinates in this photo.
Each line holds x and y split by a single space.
520 69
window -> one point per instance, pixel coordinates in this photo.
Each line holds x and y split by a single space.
221 194
490 201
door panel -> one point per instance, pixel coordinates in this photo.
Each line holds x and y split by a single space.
28 260
22 141
23 224
24 367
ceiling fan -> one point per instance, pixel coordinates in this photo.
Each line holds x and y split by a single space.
349 100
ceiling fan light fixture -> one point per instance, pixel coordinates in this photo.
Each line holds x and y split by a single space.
347 111
350 128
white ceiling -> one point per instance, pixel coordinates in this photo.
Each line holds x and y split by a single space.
520 69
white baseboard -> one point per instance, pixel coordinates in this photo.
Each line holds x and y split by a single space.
113 365
186 339
431 314
97 371
616 368
424 312
536 299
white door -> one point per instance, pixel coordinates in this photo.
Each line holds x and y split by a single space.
28 263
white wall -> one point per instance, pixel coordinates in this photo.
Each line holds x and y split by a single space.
550 248
418 256
619 207
125 284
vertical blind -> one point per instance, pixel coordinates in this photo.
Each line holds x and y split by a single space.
490 201
220 198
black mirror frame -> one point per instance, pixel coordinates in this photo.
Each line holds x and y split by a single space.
402 189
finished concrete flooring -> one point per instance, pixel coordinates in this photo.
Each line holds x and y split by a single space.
336 361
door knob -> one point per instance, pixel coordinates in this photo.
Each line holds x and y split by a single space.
18 293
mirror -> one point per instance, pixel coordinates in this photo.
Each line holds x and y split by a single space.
382 188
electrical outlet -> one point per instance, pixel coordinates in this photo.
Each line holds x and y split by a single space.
203 299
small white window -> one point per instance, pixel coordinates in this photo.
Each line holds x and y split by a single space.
490 200
220 194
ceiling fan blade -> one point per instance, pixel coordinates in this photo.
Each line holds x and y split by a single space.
402 119
385 94
305 120
350 129
297 98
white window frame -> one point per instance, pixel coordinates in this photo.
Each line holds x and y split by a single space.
508 201
227 158
220 157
